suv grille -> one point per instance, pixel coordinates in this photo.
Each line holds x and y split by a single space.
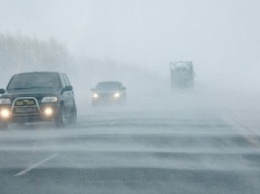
27 106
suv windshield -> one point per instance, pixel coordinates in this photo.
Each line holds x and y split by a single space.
34 80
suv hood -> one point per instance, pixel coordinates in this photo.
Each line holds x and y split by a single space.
35 92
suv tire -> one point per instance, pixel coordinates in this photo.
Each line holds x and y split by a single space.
3 125
60 121
73 117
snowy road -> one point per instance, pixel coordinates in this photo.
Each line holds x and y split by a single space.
122 150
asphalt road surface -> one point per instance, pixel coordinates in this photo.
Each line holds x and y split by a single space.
194 145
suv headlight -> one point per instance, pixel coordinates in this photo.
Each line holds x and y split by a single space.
49 99
5 101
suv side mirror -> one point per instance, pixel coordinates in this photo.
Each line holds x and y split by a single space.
2 91
68 88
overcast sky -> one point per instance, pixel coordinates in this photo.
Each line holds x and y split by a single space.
149 33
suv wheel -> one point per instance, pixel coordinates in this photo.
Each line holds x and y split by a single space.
73 117
3 125
60 121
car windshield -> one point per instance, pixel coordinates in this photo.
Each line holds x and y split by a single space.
34 80
108 86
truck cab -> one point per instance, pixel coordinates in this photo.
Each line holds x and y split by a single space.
182 74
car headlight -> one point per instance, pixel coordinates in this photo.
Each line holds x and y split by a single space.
5 113
95 95
5 101
50 99
48 111
117 95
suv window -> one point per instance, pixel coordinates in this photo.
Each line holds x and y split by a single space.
63 80
66 79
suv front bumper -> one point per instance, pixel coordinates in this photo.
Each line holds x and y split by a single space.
44 112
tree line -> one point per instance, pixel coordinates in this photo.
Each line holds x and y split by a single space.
22 53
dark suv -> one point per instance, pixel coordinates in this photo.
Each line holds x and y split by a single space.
38 96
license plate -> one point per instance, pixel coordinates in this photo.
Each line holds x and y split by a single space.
24 102
25 110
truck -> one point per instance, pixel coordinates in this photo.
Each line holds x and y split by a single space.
182 74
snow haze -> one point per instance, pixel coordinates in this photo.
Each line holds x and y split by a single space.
220 37
203 139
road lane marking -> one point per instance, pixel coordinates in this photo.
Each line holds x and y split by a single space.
23 172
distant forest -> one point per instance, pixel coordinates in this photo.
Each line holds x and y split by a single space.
25 53
19 53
